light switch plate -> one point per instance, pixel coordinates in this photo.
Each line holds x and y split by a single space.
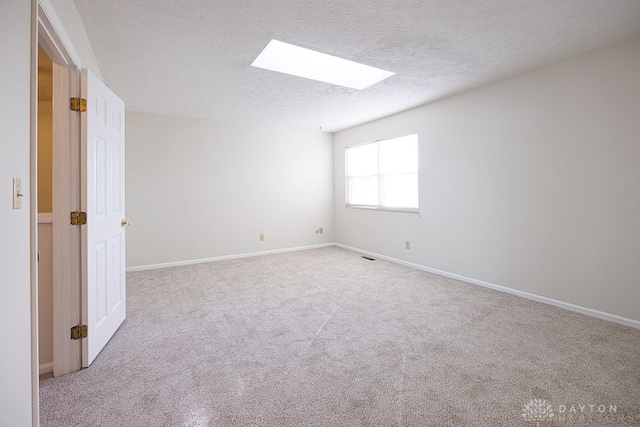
17 193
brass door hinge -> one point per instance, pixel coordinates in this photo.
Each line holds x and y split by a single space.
78 218
79 332
78 104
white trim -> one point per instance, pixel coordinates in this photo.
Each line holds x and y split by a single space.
53 37
45 218
383 208
66 259
45 368
33 216
226 257
561 304
568 306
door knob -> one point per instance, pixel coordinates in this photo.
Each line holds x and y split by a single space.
124 223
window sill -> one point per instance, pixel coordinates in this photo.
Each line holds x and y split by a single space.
383 208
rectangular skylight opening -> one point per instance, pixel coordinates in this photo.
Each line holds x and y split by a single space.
298 61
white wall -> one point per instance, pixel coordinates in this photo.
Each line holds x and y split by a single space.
15 286
530 183
200 189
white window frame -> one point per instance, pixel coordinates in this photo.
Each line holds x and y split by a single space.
378 206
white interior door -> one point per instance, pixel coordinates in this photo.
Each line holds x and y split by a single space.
102 184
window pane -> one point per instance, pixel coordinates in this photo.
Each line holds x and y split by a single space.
399 191
362 160
362 190
384 173
399 155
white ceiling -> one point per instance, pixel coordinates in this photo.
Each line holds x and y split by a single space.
192 57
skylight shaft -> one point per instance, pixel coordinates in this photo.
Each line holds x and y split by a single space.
298 61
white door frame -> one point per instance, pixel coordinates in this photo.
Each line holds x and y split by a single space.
66 192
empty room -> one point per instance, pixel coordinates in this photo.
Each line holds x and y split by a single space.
320 213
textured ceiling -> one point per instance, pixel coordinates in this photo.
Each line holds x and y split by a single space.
192 57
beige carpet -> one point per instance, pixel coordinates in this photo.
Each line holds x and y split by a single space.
327 338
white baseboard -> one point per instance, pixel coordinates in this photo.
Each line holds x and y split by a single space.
226 257
45 218
45 368
568 306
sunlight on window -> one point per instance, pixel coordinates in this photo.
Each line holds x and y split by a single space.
383 174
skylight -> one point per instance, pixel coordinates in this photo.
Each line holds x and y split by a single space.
298 61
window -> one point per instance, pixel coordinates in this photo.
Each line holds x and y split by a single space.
383 174
298 61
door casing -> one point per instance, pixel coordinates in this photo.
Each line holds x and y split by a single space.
53 38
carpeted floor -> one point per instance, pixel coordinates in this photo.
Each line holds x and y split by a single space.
327 338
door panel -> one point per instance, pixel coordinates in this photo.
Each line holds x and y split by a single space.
103 264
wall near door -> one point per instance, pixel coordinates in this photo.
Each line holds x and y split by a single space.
198 189
17 390
530 183
18 387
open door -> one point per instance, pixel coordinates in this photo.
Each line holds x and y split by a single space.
102 198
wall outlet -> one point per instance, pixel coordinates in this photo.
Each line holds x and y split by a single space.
262 237
407 244
320 230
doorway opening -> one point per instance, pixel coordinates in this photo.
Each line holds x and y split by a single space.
88 295
45 211
55 189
